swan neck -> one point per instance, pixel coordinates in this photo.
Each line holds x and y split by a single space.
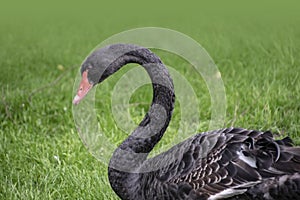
129 157
155 122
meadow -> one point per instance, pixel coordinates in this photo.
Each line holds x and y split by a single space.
256 48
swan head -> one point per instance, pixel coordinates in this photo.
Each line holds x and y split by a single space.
102 63
94 70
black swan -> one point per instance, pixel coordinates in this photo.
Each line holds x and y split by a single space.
231 163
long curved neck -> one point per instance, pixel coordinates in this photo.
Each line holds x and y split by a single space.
155 122
132 153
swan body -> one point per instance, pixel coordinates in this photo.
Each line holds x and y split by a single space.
231 163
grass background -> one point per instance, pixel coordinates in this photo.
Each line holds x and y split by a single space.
255 44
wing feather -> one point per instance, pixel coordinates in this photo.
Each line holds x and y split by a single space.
234 160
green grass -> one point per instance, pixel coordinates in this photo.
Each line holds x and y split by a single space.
41 154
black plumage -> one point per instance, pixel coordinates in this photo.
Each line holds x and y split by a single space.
233 163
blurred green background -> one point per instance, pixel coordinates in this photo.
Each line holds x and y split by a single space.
255 44
73 28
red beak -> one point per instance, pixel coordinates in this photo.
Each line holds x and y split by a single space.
84 88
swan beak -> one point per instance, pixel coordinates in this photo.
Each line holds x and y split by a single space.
84 88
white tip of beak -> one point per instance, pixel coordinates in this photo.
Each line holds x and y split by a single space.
76 100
